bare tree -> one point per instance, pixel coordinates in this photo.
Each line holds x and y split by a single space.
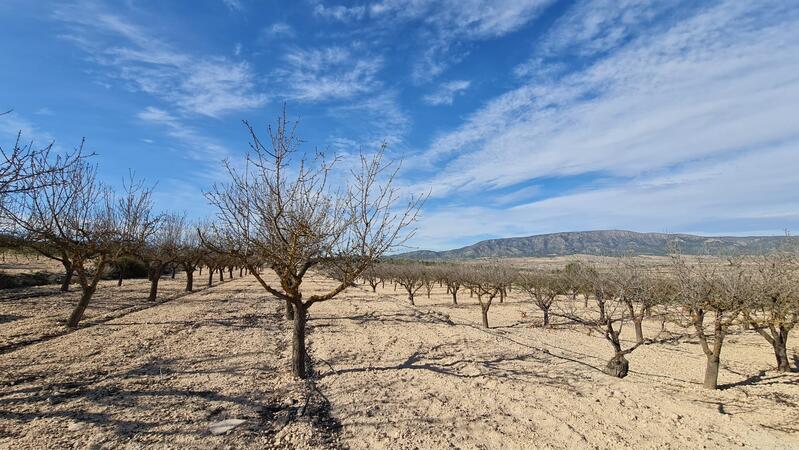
543 288
487 282
282 210
72 212
714 290
453 276
773 310
190 253
411 277
608 316
163 248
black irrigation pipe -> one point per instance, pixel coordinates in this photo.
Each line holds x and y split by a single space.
105 318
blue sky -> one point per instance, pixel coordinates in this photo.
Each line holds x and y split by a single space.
519 117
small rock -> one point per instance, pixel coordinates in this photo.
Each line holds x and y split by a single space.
224 426
75 426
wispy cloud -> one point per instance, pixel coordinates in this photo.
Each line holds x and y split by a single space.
693 121
199 84
339 12
446 24
375 119
447 92
277 30
194 144
330 73
693 91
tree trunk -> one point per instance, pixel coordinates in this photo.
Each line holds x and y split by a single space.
618 366
546 317
298 353
189 280
230 273
485 317
154 282
68 272
454 298
77 313
241 272
210 277
201 269
290 311
221 274
712 372
174 269
410 297
781 351
119 281
639 330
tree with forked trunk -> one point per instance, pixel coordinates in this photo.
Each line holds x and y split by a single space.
719 292
609 315
162 248
543 288
191 253
773 309
282 211
487 282
74 213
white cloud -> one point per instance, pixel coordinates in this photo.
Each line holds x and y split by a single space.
195 144
693 91
693 122
752 193
376 119
207 85
278 29
331 73
447 92
445 25
339 12
592 26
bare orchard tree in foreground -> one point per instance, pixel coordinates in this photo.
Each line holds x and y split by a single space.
163 248
543 288
488 282
608 315
190 253
410 276
773 309
281 210
708 290
453 275
74 213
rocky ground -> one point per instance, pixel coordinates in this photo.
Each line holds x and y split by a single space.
386 375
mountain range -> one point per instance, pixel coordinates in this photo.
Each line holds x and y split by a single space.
605 243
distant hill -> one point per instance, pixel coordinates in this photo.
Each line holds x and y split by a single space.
604 243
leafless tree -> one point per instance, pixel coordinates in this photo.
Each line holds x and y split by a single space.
282 210
543 288
410 276
608 316
487 281
773 309
163 248
715 291
74 213
453 276
191 253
